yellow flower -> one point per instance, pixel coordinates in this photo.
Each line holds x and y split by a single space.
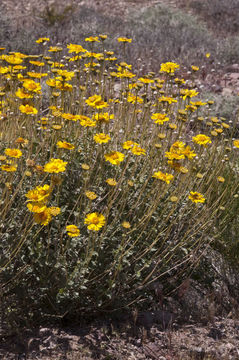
111 182
133 99
55 49
174 198
188 153
12 59
65 75
71 117
85 166
95 221
87 122
55 166
91 195
126 225
65 145
31 85
164 177
114 157
137 150
36 207
72 230
28 109
167 99
37 63
96 102
208 55
169 67
36 75
9 168
124 40
129 144
92 39
159 118
195 68
74 48
54 211
196 197
22 94
221 179
102 138
43 39
15 153
236 143
188 93
40 194
202 139
103 117
145 80
43 218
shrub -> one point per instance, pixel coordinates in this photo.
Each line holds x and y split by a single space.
109 181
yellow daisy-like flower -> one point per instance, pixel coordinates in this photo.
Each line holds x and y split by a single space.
185 93
15 153
126 225
43 218
236 143
164 177
43 39
95 221
72 230
167 99
195 68
96 102
9 168
202 139
22 94
54 210
146 81
133 99
169 67
85 166
87 122
91 195
37 63
114 157
103 117
65 145
124 40
129 144
74 48
102 138
71 117
28 109
111 182
159 118
32 86
221 179
196 197
36 207
55 49
137 150
55 166
92 39
40 194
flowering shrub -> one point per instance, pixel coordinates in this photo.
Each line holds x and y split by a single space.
104 191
